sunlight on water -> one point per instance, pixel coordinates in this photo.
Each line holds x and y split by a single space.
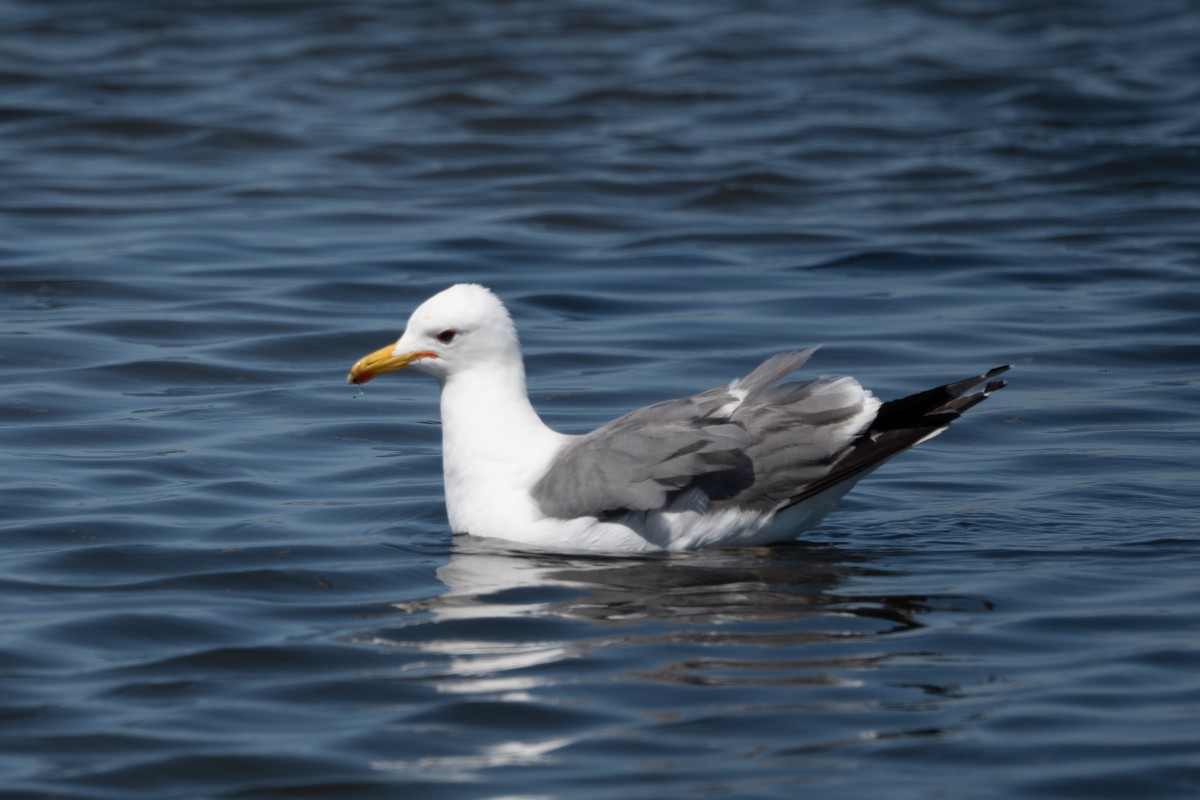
226 574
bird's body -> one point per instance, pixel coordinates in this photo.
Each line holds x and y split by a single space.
750 463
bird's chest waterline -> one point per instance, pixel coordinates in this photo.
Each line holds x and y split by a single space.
489 469
486 494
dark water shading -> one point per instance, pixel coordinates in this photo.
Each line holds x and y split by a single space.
224 574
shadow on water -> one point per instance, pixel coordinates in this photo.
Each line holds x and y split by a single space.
701 588
763 603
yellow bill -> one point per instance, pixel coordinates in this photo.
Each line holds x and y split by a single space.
381 361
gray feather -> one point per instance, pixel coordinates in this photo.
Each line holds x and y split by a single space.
775 369
753 453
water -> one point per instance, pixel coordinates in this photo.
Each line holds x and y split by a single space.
226 575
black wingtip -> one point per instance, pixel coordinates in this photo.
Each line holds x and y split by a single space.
900 424
995 386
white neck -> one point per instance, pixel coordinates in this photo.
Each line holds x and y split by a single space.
491 437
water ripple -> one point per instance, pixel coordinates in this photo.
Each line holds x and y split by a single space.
228 575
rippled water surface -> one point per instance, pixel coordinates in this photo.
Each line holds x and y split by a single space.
225 574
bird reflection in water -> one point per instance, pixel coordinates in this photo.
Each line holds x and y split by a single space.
779 596
775 638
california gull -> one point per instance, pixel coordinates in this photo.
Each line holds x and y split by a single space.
750 463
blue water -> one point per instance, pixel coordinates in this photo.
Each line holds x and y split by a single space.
225 574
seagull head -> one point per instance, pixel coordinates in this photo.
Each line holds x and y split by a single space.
455 330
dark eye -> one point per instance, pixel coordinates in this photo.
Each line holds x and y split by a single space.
447 336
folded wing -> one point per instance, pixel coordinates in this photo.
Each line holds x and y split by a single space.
752 444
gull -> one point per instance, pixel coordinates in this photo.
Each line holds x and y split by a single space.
750 463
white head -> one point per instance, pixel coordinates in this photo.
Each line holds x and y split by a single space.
463 326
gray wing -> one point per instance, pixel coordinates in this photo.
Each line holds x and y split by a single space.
749 444
636 462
